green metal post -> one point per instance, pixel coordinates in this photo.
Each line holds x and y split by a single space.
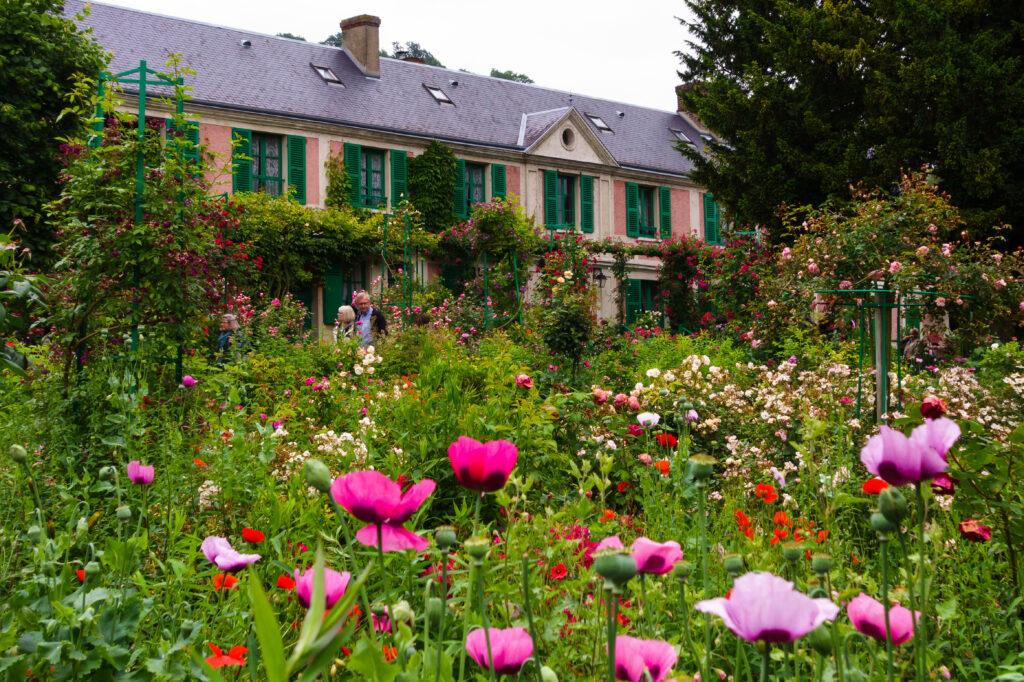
860 373
519 303
487 299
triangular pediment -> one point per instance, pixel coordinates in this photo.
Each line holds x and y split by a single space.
563 133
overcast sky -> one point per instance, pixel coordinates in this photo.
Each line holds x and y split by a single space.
622 52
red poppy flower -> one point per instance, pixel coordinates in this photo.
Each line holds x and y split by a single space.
223 580
741 519
233 657
607 516
822 534
623 486
874 486
285 583
199 463
559 572
749 532
253 536
666 439
781 519
766 492
662 465
81 575
390 653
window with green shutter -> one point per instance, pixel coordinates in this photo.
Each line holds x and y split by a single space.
642 296
632 209
266 164
587 203
645 200
371 178
712 220
459 201
474 185
497 181
665 211
633 293
241 160
550 197
559 200
353 162
297 167
189 140
399 177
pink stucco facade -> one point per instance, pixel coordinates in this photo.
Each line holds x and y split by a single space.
217 139
680 203
619 202
513 181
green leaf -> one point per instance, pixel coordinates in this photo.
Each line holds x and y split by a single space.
947 610
267 631
369 661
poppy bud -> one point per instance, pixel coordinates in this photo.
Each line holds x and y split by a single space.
615 566
792 551
18 453
702 466
35 534
892 504
318 475
434 612
548 675
106 473
445 536
477 547
821 640
92 569
733 564
821 563
81 528
402 612
882 524
124 513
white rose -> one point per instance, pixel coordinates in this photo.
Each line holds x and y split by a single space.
358 370
654 373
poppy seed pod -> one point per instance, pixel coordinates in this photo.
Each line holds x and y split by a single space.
477 547
882 524
124 513
682 569
820 639
821 563
702 466
318 475
615 566
733 564
445 536
548 675
792 551
892 504
18 453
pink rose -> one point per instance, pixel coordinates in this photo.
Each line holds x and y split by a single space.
813 268
634 404
895 267
622 397
524 381
600 397
846 284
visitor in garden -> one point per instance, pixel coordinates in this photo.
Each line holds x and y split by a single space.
345 324
228 327
370 322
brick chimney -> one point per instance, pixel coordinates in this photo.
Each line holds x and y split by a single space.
681 109
361 37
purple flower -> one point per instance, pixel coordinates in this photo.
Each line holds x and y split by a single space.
188 382
692 416
900 460
868 616
137 473
655 557
765 607
334 583
220 552
373 498
511 647
633 656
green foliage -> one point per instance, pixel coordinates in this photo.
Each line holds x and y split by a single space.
339 184
414 50
565 316
334 40
511 76
20 297
291 36
49 69
809 98
432 185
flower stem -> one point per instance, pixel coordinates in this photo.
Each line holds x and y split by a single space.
482 605
529 617
702 519
644 611
764 663
465 620
884 540
613 617
921 626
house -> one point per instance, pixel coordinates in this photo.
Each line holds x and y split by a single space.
605 168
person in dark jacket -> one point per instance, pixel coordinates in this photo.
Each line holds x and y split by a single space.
370 321
228 327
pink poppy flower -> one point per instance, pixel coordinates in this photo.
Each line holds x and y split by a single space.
188 381
375 499
335 585
974 531
868 616
219 551
610 542
511 647
655 557
765 607
633 656
137 473
524 381
921 457
482 466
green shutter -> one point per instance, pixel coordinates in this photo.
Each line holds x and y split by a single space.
459 203
399 177
497 181
240 158
633 300
665 209
587 203
353 162
297 167
550 197
191 151
632 209
711 214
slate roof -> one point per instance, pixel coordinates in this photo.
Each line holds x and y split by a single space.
273 75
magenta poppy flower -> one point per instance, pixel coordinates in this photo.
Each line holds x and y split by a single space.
900 460
220 552
511 647
137 473
765 607
188 381
610 542
375 499
655 557
334 585
482 466
868 616
974 531
633 656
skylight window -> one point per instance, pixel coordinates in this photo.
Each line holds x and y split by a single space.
707 138
438 94
327 74
599 123
683 137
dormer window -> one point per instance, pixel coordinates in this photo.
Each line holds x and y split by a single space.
599 123
327 74
682 137
438 94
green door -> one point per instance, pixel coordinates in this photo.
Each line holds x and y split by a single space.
340 283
